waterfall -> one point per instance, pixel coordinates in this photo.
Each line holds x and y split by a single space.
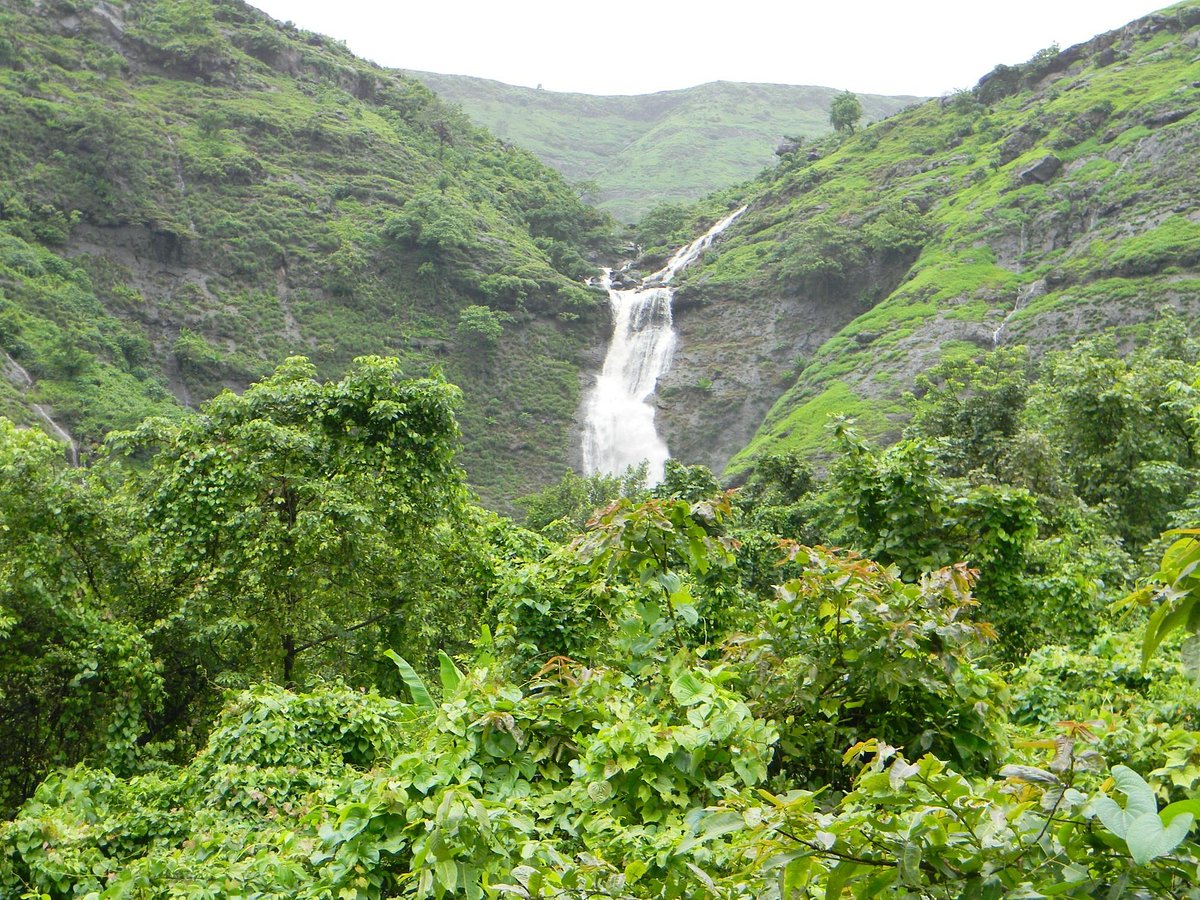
21 379
1024 295
619 421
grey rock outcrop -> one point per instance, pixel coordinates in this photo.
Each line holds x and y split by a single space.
1042 171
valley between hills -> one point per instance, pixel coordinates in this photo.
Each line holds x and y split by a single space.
327 564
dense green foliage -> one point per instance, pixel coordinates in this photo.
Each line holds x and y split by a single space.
191 192
630 153
290 532
76 681
208 638
295 514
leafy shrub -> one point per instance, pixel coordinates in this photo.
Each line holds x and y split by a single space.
563 509
849 649
194 352
433 220
577 777
922 829
480 327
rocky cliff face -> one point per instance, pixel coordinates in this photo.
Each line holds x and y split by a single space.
1057 198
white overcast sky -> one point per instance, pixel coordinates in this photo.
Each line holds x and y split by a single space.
923 47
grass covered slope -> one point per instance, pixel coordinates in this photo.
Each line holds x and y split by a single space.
641 150
190 192
1056 199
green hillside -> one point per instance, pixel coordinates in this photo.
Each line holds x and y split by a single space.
190 192
673 146
1055 200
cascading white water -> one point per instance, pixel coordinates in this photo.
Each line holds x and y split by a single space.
1024 295
16 374
619 425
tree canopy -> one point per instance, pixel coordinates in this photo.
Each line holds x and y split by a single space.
844 112
272 648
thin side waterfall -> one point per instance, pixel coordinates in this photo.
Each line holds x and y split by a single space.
619 422
16 374
1024 295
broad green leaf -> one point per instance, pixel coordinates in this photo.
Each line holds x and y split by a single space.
1147 839
1111 815
1177 572
1139 802
1154 633
447 874
471 885
910 863
704 877
635 870
687 689
713 826
1170 615
1029 773
448 673
900 771
1178 808
1139 796
841 875
877 884
416 687
510 889
794 875
1182 557
1189 653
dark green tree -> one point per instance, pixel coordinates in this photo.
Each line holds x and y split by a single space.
973 408
1123 426
480 327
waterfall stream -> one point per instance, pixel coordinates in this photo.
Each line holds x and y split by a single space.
619 426
21 379
1024 295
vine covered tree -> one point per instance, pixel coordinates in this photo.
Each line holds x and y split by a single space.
295 518
76 681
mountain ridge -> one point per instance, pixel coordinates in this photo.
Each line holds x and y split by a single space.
642 149
193 191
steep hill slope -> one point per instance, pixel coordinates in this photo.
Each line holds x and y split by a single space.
190 191
1055 199
640 150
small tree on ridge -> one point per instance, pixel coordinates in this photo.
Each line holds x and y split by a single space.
844 112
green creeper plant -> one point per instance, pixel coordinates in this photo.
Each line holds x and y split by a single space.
77 679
